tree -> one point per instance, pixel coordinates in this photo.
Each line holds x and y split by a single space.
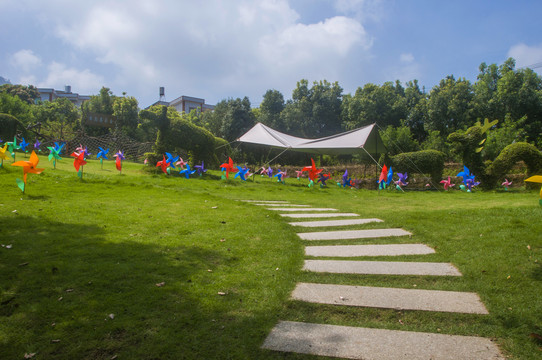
270 109
416 107
14 106
101 104
57 118
126 110
28 94
399 140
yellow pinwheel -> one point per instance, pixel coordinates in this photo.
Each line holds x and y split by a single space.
4 154
536 179
28 167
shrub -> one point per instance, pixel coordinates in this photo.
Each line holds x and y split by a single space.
420 162
9 126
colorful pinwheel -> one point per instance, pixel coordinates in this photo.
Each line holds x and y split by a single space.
79 162
4 154
402 180
28 167
23 145
102 154
323 178
37 145
171 160
84 150
447 183
346 180
536 179
468 179
270 172
506 184
164 165
281 175
12 146
200 169
54 154
187 172
242 173
263 171
312 170
181 163
228 167
118 162
382 179
59 147
299 174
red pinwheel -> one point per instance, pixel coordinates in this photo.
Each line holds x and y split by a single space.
313 171
79 162
118 162
228 167
163 164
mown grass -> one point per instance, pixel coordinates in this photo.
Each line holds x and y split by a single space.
84 249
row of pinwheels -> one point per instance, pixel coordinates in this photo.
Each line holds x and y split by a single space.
168 165
11 146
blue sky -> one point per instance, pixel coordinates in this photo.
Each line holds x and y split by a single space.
218 49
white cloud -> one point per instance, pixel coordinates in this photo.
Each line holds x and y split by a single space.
82 81
526 55
406 58
25 60
361 9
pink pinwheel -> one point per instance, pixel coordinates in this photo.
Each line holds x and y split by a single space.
447 183
181 163
299 174
263 171
506 184
82 149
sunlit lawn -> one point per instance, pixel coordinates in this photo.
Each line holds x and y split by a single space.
147 266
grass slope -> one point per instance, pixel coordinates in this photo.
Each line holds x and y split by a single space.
82 250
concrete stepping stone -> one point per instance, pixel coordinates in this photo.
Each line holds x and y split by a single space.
377 344
268 204
319 215
324 223
368 250
352 234
390 298
301 209
267 201
381 267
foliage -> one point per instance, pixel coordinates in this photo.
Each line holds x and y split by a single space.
420 162
126 110
270 109
28 94
9 126
230 119
508 133
13 105
513 153
437 142
58 118
398 140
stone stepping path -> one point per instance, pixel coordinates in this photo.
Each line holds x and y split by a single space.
267 201
381 267
390 298
363 343
377 344
319 215
352 234
368 250
325 223
301 209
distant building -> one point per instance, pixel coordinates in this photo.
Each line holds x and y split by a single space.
184 103
47 94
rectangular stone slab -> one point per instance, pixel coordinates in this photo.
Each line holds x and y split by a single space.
381 267
352 234
268 204
377 344
267 201
301 209
320 215
368 250
325 223
390 298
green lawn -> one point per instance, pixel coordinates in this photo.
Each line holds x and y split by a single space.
80 279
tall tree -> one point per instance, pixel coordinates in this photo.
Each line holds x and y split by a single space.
270 109
28 94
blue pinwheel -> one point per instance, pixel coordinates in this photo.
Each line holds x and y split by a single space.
279 175
187 172
37 145
102 154
402 179
200 169
390 176
468 179
323 178
171 160
23 145
347 181
242 173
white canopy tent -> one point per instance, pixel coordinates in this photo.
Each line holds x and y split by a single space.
365 139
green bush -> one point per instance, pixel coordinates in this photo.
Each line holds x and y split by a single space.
9 125
420 162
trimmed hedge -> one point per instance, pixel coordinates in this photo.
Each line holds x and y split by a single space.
420 162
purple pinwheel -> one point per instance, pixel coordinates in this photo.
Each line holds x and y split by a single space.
323 178
346 180
270 172
37 145
200 169
402 179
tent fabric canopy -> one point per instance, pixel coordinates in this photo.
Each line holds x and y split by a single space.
365 139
